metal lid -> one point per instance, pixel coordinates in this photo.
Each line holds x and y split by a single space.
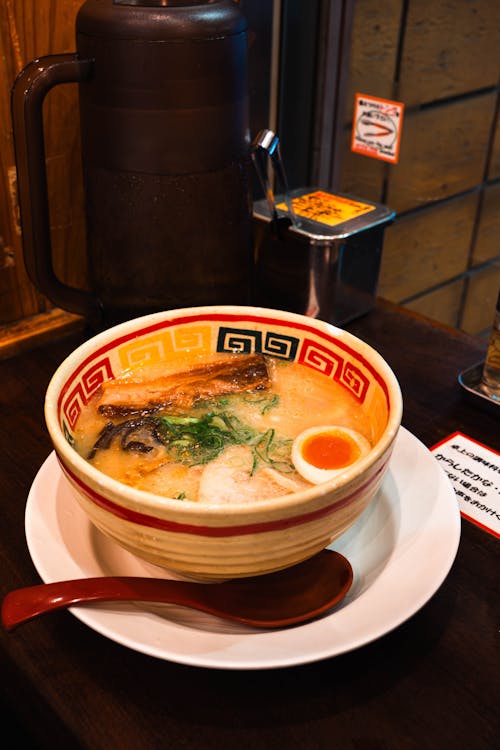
323 216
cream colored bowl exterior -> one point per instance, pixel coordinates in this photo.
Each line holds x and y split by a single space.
219 542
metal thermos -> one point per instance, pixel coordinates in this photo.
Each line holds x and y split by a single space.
165 152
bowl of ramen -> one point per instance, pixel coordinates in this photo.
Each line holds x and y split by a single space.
223 442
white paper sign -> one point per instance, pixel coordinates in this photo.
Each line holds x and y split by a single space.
376 128
474 471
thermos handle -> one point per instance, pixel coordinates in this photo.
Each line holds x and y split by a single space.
28 94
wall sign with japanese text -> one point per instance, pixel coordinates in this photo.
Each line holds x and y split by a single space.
376 128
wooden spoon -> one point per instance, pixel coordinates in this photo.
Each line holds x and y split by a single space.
274 600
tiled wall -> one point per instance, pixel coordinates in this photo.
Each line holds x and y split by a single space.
441 58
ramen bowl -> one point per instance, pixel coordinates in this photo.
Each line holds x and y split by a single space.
216 541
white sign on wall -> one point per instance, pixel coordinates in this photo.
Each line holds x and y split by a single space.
376 128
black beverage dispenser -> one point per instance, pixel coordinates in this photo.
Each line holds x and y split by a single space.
165 151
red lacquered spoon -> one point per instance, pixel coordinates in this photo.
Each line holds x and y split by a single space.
287 597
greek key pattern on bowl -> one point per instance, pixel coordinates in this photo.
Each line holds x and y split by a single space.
355 381
326 360
163 346
84 388
321 358
248 341
335 365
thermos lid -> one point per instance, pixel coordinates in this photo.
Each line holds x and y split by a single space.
160 20
159 3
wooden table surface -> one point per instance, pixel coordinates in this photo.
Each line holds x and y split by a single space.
432 683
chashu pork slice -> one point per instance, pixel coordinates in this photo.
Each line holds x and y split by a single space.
229 480
121 397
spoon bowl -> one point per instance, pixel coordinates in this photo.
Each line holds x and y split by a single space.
286 597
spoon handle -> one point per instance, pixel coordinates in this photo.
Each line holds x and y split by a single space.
286 597
24 604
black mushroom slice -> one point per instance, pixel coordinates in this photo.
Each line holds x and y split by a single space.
138 435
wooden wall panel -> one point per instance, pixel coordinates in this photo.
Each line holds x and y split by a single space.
36 329
17 298
487 244
440 58
450 48
427 248
494 166
443 304
480 302
443 152
27 32
374 47
359 175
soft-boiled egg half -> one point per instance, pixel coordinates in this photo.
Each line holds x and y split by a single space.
320 453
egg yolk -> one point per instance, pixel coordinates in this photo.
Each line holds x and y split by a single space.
330 450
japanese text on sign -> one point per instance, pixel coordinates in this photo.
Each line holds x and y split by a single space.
474 471
376 128
327 208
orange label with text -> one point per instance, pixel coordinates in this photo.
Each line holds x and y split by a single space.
327 208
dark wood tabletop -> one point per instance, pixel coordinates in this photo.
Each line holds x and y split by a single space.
432 683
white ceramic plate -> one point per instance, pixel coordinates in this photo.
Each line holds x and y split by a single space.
401 550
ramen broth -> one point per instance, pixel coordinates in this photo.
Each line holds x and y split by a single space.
229 448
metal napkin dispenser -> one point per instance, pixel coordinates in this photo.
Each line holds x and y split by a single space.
315 252
322 257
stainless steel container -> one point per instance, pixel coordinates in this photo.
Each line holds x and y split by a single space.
318 253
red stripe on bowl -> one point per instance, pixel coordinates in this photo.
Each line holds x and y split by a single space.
215 531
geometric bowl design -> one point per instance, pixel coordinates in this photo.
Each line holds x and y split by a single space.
217 542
